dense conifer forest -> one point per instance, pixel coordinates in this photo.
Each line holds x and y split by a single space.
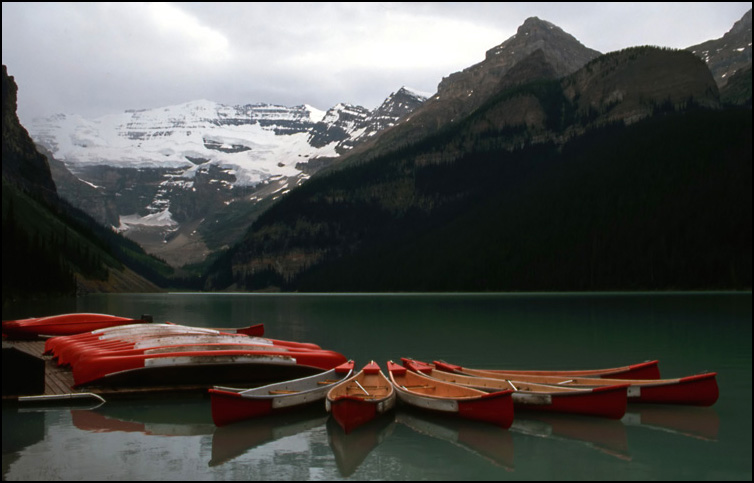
661 204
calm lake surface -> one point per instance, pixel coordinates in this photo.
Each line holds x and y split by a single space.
175 439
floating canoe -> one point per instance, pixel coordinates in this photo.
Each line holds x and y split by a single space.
642 370
602 401
203 367
696 390
418 390
230 405
65 324
361 398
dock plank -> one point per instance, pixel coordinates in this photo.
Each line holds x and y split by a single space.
59 380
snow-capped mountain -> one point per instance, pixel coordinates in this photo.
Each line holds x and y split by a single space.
177 164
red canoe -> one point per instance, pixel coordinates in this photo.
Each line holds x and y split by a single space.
361 398
642 370
68 349
65 324
696 390
141 330
230 405
420 391
203 367
603 401
71 355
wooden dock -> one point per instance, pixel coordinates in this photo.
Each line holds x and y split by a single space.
59 380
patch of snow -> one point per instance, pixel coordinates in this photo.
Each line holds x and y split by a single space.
162 218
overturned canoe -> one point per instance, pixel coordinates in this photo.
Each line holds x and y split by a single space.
230 405
59 325
149 336
601 401
203 367
361 398
420 391
696 390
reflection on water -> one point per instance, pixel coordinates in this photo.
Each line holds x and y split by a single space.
484 440
233 440
694 422
175 438
302 434
350 450
605 435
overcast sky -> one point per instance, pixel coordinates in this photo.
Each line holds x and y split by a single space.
95 59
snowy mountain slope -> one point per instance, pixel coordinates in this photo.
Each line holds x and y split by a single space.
180 165
256 140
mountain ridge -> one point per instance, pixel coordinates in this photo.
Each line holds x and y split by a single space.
620 88
169 174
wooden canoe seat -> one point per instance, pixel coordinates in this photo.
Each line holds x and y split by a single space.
328 381
282 391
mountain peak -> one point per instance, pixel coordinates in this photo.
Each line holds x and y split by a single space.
534 23
408 91
563 52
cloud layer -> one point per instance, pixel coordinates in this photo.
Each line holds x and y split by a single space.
93 59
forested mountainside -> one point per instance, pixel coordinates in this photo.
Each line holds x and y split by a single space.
624 175
49 247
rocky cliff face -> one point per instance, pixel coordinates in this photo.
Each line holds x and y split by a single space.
538 50
728 54
22 164
560 50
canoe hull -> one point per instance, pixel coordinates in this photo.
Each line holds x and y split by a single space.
230 405
420 391
361 398
352 412
607 402
59 325
203 368
697 390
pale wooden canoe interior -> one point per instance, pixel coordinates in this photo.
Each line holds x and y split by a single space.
373 386
491 384
569 381
419 384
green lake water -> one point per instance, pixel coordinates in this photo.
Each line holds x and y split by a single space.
174 439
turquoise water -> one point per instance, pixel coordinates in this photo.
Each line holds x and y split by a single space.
175 439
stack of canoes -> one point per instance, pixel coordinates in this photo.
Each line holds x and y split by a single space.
170 354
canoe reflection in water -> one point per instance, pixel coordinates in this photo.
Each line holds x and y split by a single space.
352 448
607 436
690 421
231 441
484 440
